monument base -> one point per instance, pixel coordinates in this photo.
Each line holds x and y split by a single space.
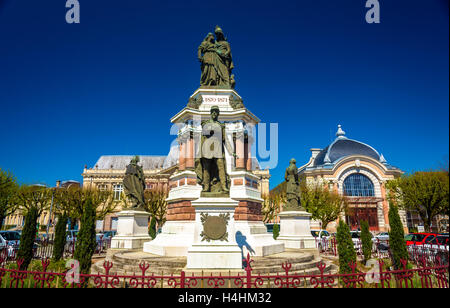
214 245
252 237
132 230
174 240
221 256
295 230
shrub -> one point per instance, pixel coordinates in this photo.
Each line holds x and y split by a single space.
276 231
25 252
152 227
60 238
86 240
397 243
366 241
346 250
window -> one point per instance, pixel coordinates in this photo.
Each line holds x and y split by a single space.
117 190
358 185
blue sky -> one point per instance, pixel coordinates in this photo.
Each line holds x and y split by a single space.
70 93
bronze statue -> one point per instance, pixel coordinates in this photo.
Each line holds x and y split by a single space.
210 163
292 188
216 61
208 59
134 184
225 61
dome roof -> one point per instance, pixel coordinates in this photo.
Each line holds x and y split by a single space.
343 147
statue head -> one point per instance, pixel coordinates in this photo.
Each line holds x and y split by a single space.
292 161
215 111
209 37
219 34
135 160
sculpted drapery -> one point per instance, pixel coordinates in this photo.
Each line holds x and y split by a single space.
216 61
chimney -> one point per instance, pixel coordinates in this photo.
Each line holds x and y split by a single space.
314 152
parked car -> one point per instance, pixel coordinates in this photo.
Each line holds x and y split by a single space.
107 235
2 243
433 246
322 239
357 244
9 243
269 228
382 237
72 235
418 238
12 238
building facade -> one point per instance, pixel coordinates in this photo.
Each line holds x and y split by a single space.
357 171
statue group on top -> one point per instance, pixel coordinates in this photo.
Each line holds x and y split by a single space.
214 54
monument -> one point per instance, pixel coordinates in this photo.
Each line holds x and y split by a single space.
214 205
295 230
132 225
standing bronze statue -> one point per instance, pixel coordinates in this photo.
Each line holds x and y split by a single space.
216 61
292 188
208 59
134 184
210 163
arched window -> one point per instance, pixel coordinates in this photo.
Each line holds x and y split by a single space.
358 185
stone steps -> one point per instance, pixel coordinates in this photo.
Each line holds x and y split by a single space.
126 263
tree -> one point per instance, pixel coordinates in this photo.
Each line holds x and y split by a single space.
26 247
73 202
31 201
271 206
86 240
424 192
397 243
346 250
366 241
8 188
60 237
324 205
156 204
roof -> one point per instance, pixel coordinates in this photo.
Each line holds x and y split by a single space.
343 147
119 162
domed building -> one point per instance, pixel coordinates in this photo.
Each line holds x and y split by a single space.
359 172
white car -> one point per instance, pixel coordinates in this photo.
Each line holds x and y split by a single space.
382 237
322 239
2 243
5 249
357 243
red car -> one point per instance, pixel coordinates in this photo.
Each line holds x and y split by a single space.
419 238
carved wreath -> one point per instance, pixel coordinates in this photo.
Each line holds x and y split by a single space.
214 227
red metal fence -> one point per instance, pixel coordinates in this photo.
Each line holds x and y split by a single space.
423 276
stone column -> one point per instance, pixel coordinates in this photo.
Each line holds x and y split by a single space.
248 153
190 152
385 206
240 151
182 157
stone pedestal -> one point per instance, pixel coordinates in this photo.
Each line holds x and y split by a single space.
295 230
132 230
214 245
